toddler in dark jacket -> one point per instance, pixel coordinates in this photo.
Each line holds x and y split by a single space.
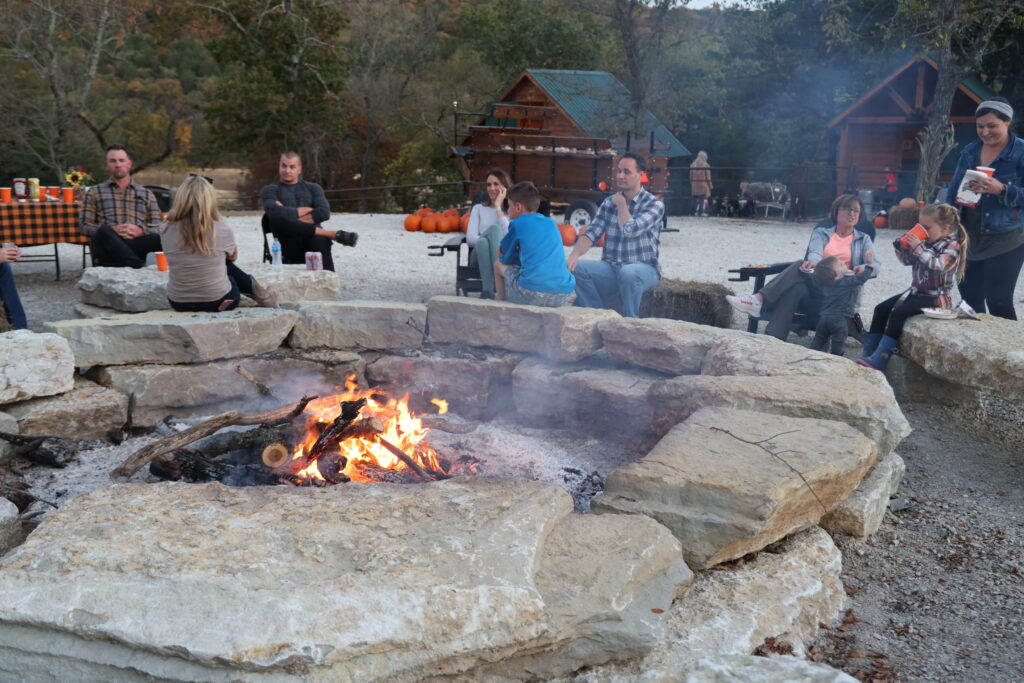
840 296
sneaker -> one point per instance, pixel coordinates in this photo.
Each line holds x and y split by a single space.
745 304
349 239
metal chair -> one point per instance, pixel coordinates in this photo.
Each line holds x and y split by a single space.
467 277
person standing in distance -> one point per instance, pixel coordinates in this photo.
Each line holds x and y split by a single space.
630 220
295 210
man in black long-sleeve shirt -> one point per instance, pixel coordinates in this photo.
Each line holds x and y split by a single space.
295 209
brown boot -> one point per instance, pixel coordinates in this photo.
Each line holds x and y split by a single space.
263 296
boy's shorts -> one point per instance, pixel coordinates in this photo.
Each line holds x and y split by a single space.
529 297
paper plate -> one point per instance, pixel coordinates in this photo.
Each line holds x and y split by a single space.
940 313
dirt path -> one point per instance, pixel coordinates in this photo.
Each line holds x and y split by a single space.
939 590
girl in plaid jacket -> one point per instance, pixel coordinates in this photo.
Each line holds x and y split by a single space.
938 265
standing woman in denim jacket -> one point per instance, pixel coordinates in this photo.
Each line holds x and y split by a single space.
996 225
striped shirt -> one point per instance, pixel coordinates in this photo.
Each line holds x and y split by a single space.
107 204
635 242
934 266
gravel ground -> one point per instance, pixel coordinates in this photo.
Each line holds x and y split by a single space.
937 594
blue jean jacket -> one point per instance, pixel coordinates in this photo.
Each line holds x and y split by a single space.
1006 212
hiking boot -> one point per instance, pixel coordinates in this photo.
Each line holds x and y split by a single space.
349 239
263 296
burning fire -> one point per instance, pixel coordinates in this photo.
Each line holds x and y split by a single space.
401 428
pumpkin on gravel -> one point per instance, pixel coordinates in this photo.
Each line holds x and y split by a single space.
464 222
429 223
568 234
412 223
424 212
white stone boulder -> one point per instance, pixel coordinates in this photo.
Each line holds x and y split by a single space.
476 388
603 397
783 594
858 403
33 364
724 495
207 388
169 337
88 411
9 424
359 325
10 525
566 333
133 290
674 347
986 354
755 669
862 513
375 582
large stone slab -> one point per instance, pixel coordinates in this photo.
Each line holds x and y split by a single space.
10 525
670 346
563 334
359 325
33 365
145 289
88 411
357 583
987 355
604 397
858 403
862 513
9 424
723 496
168 337
474 388
756 669
207 388
782 594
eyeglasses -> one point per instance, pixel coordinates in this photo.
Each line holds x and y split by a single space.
850 209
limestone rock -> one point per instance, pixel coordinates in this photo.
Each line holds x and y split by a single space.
564 334
860 404
90 311
168 337
722 497
670 346
696 302
986 354
33 364
476 389
754 669
862 513
10 525
145 289
783 594
601 396
359 325
382 582
88 411
209 388
8 424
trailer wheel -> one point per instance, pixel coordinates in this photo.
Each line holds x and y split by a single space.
580 213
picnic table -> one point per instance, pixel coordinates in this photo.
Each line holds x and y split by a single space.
31 224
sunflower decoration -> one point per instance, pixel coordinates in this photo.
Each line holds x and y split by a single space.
77 176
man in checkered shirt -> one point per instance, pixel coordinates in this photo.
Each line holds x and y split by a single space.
120 216
630 220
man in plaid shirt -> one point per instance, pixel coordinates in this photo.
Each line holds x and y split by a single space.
120 216
631 222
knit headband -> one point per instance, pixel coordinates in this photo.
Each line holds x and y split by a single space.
1001 107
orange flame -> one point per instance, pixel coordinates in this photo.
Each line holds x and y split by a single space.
401 427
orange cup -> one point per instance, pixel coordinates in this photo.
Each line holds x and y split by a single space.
68 194
917 231
987 170
5 195
161 260
53 191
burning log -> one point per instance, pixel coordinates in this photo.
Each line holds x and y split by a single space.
275 454
51 451
137 460
443 425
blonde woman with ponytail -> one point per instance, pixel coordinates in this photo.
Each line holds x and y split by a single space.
938 265
201 251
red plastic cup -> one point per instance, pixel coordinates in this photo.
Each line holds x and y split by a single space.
53 191
917 231
987 170
161 260
68 195
5 195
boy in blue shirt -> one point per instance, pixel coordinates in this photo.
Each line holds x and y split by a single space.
531 266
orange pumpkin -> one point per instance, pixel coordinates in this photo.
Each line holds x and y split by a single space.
429 223
881 221
568 235
442 223
424 212
464 223
412 223
452 213
600 242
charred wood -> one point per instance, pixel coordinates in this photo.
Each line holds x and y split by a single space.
42 450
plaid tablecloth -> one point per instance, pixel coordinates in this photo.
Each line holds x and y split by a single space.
34 223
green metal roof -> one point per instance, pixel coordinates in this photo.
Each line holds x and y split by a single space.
599 103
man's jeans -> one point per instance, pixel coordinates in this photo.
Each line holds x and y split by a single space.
599 284
12 302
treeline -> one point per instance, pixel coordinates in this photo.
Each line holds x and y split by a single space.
366 89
